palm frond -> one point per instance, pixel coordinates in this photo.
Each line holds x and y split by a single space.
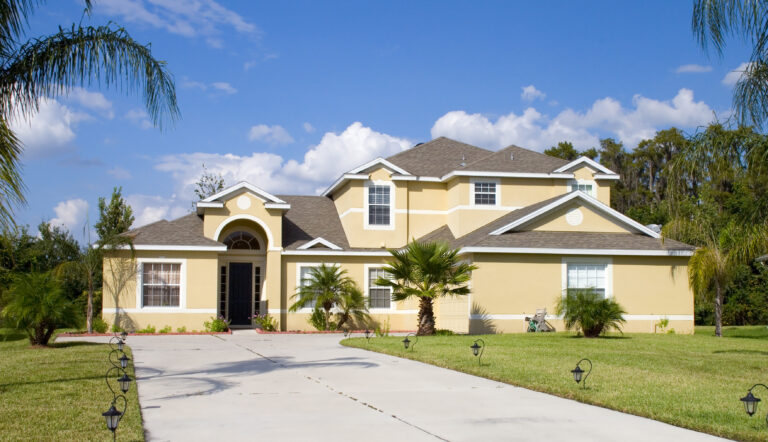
11 186
79 56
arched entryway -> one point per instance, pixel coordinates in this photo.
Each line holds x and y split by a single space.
241 271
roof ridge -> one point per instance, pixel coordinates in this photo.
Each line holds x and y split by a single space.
425 144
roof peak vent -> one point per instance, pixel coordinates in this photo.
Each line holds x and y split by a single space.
511 156
463 161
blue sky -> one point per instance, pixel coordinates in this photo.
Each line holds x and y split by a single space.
287 95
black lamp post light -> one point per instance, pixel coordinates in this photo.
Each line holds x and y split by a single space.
113 416
368 335
478 349
407 342
750 402
578 373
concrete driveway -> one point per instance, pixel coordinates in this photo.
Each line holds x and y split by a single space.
248 386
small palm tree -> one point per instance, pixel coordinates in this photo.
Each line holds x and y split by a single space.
36 304
587 311
427 271
323 289
351 304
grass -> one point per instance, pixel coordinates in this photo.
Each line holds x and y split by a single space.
58 393
692 381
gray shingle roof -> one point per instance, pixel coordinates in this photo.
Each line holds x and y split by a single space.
311 217
184 231
516 159
437 157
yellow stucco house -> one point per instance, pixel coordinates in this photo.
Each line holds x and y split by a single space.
534 225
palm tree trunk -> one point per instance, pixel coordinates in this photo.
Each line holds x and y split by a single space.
426 317
89 311
718 310
327 318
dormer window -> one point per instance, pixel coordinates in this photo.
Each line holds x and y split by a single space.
379 205
587 187
485 192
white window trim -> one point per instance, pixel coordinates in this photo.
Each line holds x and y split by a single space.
299 265
366 286
472 182
593 183
182 308
262 247
582 260
391 225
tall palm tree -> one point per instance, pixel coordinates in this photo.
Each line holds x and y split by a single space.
713 22
52 65
427 271
322 290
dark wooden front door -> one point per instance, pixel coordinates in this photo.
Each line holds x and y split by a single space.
240 292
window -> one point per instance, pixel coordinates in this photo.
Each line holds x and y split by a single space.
378 296
587 276
257 291
378 205
484 193
587 187
241 241
223 291
161 284
305 277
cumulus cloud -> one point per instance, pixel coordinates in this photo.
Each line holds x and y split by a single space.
70 214
188 18
692 69
49 131
530 93
308 128
139 117
274 135
535 130
120 173
224 87
150 208
733 77
92 100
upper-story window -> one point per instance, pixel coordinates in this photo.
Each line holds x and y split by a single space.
379 205
485 193
587 187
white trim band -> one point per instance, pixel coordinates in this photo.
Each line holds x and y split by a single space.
335 253
626 317
155 310
221 248
596 252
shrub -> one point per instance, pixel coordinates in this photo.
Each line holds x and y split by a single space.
166 329
588 312
265 322
99 326
443 332
36 304
148 329
318 320
382 330
181 329
216 325
116 328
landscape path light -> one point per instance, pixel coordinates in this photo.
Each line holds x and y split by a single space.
578 373
750 402
407 342
113 416
368 335
478 349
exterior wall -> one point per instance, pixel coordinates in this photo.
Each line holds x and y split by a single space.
506 288
401 316
122 304
592 221
602 187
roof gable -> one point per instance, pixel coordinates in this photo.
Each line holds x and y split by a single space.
244 186
378 162
588 162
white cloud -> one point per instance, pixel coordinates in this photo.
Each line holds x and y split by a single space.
274 135
191 84
120 173
733 77
139 117
607 116
92 100
188 18
71 214
530 93
49 131
150 208
308 128
224 87
692 69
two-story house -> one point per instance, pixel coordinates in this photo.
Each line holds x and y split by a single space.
534 225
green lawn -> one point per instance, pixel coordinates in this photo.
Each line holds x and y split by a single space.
58 393
689 381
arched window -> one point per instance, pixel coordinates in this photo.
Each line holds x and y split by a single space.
241 241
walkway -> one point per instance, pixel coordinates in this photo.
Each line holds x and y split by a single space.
308 387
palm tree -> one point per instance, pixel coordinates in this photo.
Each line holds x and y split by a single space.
713 22
351 304
52 65
427 271
588 311
322 290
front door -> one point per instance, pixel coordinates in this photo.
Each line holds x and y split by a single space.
240 292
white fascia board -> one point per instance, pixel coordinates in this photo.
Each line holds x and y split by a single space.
221 248
245 185
592 163
381 161
555 251
585 198
605 176
334 253
319 240
284 206
214 205
342 179
432 179
506 175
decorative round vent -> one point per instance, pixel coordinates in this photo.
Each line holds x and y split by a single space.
244 202
574 217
